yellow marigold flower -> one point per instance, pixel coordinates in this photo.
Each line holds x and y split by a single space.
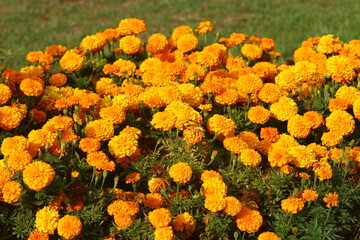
14 144
184 225
338 104
331 139
249 220
38 175
298 126
292 205
131 26
214 186
11 192
100 129
237 38
214 203
47 220
130 44
195 71
69 226
340 70
211 56
249 83
185 115
190 94
71 61
348 93
328 44
154 200
341 122
164 233
309 195
204 27
208 174
32 87
302 156
232 206
58 79
269 133
122 145
94 42
19 160
156 184
160 217
187 42
38 235
331 199
323 170
319 150
221 125
193 134
251 51
156 43
169 94
250 157
315 119
104 86
132 177
131 132
270 93
250 138
99 160
113 114
287 169
235 144
180 172
303 175
284 109
268 236
5 93
89 145
125 67
258 114
278 157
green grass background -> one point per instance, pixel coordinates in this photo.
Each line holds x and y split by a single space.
31 25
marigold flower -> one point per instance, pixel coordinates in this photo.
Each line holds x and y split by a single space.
160 217
5 93
58 123
249 83
38 115
250 157
331 200
263 146
249 220
58 79
208 174
113 114
309 195
267 44
47 220
11 191
292 205
323 170
18 161
180 172
69 226
341 122
187 42
32 87
154 200
287 169
284 109
302 156
204 27
211 56
193 134
89 144
214 203
331 139
156 184
314 118
164 233
232 206
348 93
100 129
94 42
180 31
258 114
130 44
4 175
221 125
268 236
298 126
340 69
122 145
156 43
14 144
214 186
38 235
75 174
278 157
328 44
269 93
99 160
123 219
38 175
131 26
251 51
269 133
71 61
235 144
250 138
228 96
132 177
128 207
55 50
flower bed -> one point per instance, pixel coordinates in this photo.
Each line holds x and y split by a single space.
181 138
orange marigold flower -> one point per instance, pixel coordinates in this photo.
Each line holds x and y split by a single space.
227 96
268 236
263 147
99 160
250 83
71 61
41 137
278 157
156 184
214 203
38 175
33 56
250 157
208 174
269 133
251 51
315 119
58 123
249 220
258 114
5 93
160 217
341 122
69 226
89 144
270 93
100 129
287 169
328 44
164 233
128 207
214 186
187 42
302 156
204 27
221 125
132 177
180 172
232 206
130 44
124 67
184 225
340 70
331 199
235 144
323 170
4 176
131 26
284 109
303 175
309 195
47 220
19 160
113 114
14 144
298 126
193 134
292 205
156 43
154 200
212 56
181 30
267 44
122 145
38 115
58 79
11 191
38 235
94 42
32 87
75 174
348 93
55 50
331 139
338 104
123 219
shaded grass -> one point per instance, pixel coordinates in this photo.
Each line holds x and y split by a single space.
31 25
